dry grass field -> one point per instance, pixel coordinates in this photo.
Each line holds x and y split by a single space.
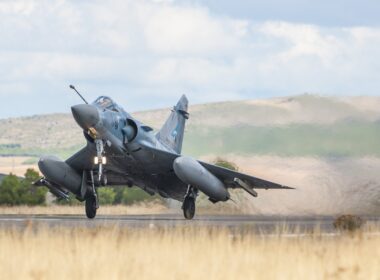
184 253
15 165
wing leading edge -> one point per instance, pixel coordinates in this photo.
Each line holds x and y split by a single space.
233 179
230 178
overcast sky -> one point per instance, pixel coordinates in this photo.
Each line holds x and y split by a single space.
145 54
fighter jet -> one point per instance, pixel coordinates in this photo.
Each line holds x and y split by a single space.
122 151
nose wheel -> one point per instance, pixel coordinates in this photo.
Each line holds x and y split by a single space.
188 205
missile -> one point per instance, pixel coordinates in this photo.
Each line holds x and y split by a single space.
54 189
60 173
191 172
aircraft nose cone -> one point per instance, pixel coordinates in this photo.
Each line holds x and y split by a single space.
85 115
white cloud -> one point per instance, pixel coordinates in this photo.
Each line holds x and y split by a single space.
159 49
17 7
190 31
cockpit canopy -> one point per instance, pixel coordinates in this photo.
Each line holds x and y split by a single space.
105 102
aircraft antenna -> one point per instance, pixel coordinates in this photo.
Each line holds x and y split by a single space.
72 87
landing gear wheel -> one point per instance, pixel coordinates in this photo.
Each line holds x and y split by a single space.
91 207
189 208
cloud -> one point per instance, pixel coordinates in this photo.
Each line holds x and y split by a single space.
161 49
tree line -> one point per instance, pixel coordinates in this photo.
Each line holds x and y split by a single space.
21 191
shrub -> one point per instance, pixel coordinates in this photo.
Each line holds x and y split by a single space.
135 194
9 190
70 201
32 195
348 223
118 194
226 164
106 195
18 191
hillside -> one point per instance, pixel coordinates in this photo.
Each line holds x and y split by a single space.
305 125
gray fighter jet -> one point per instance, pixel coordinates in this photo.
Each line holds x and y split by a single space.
121 151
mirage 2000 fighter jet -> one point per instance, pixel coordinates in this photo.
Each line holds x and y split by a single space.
121 151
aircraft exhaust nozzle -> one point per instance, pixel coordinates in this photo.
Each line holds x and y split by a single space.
193 173
85 115
60 173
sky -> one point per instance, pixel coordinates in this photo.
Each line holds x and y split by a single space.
146 54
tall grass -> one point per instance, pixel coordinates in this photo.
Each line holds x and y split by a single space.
183 253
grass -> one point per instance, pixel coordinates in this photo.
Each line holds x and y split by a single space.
183 253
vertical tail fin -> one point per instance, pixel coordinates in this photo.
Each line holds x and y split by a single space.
171 134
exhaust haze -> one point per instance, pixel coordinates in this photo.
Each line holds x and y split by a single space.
323 186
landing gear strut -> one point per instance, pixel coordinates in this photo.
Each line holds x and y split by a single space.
188 205
100 160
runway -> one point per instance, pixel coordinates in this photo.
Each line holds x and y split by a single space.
259 224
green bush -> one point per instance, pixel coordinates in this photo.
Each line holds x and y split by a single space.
118 195
70 201
106 196
226 164
135 194
16 191
31 194
9 190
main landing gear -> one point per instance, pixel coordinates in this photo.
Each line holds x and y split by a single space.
188 205
91 207
92 203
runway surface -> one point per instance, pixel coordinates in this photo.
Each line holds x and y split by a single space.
261 224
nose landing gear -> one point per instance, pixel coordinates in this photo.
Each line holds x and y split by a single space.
92 202
100 160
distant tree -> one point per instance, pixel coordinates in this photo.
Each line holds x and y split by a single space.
32 195
226 164
31 175
70 201
16 191
118 194
106 196
135 194
9 190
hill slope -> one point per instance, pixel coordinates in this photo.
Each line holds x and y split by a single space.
305 125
